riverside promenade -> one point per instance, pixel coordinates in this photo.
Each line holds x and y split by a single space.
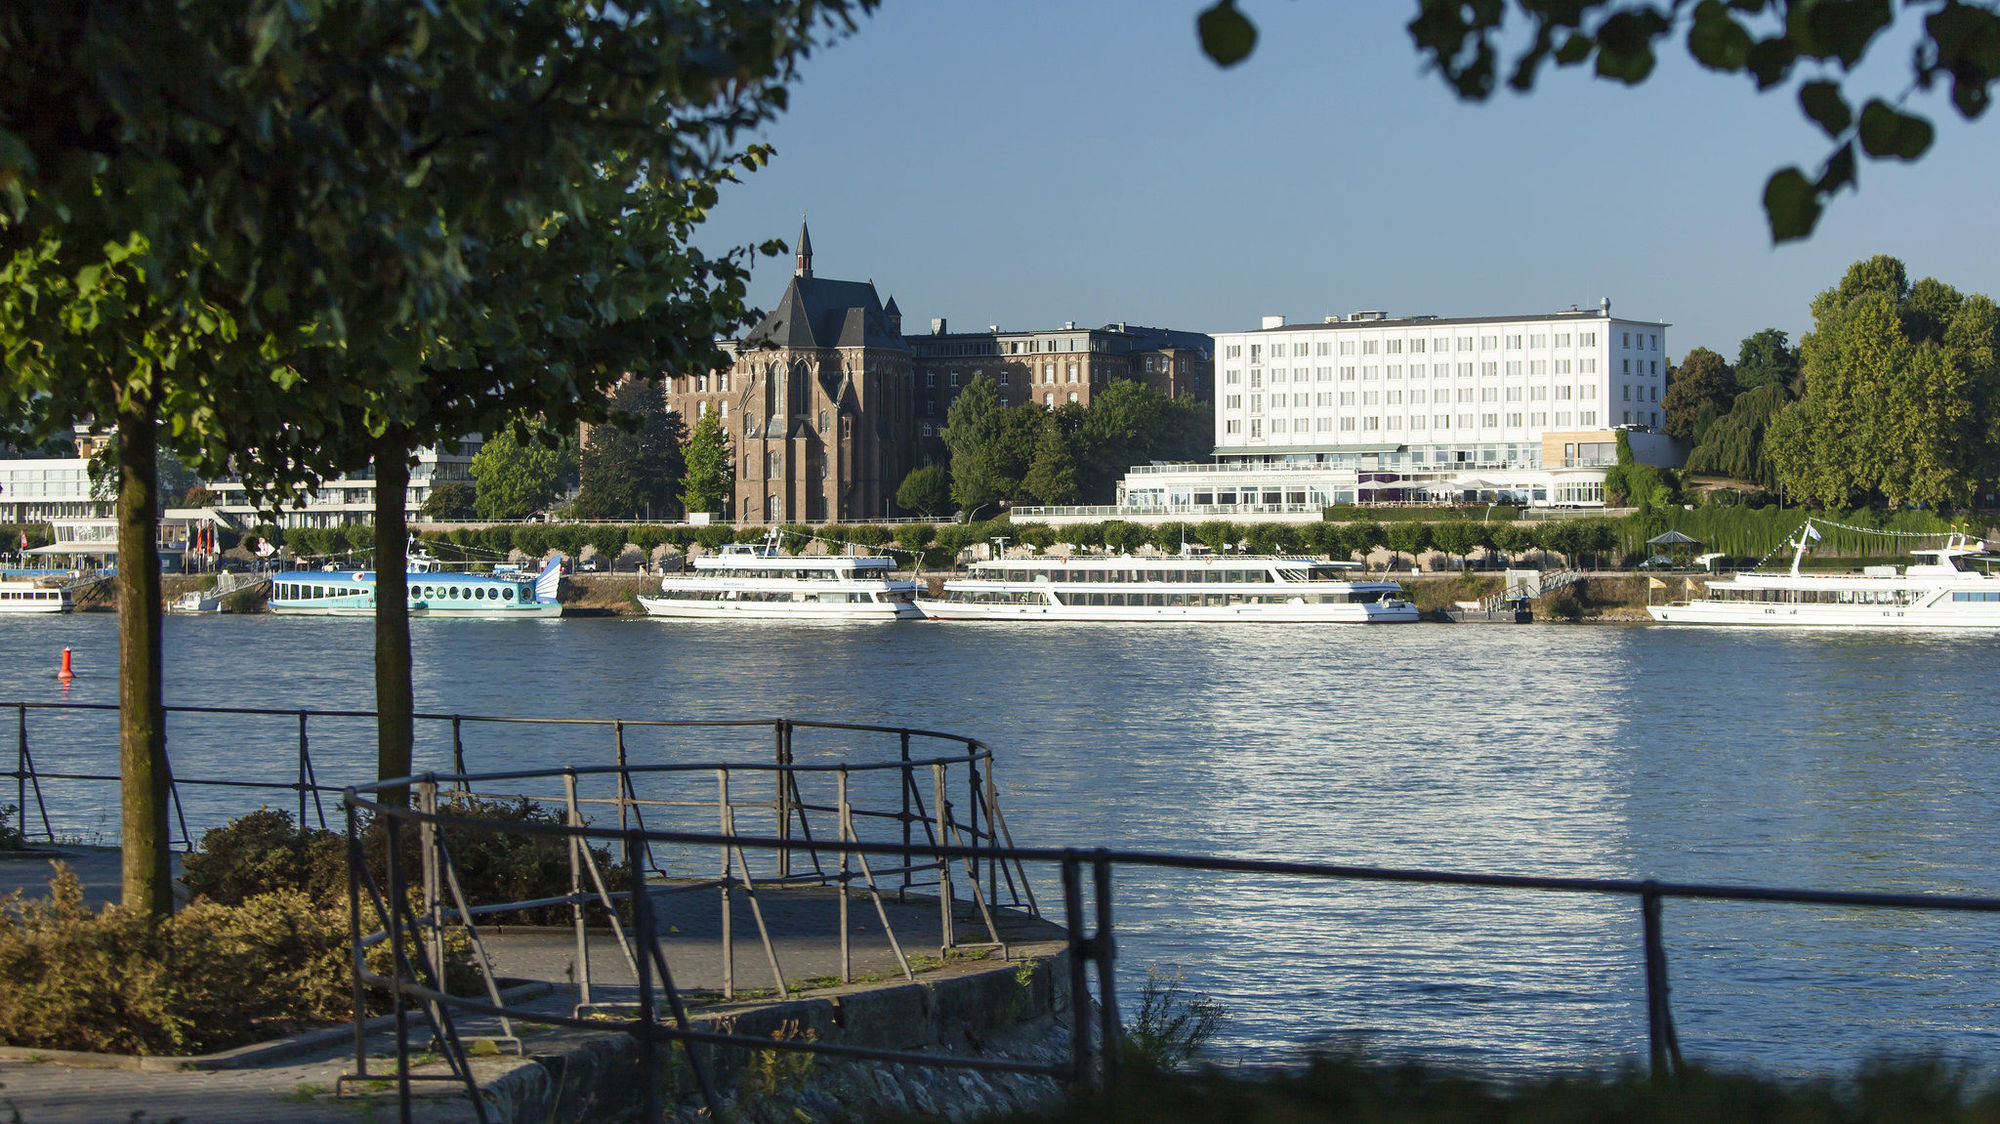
950 1007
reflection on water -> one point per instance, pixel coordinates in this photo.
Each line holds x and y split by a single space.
1823 760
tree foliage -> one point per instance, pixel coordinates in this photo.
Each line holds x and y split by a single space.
1902 394
1473 45
1699 390
710 465
925 491
632 466
1764 358
1029 453
452 499
520 470
1734 445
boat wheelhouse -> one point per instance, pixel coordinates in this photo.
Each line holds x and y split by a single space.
1938 590
747 581
24 591
1192 586
432 593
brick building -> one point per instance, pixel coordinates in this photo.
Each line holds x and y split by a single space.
818 405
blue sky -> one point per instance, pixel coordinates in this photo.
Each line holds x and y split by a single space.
1032 162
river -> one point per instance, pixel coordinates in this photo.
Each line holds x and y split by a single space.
1814 760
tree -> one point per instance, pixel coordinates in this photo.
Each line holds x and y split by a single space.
1468 44
1130 423
1765 358
453 499
1407 537
1735 445
632 467
254 225
711 467
1052 475
1902 394
520 470
984 439
1459 537
1699 390
925 491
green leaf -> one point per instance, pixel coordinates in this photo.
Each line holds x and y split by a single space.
1227 35
1886 132
1716 40
1839 171
1791 204
1823 103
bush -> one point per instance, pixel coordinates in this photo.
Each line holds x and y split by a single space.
265 853
11 838
1172 1024
208 978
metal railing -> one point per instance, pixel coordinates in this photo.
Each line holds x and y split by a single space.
1087 878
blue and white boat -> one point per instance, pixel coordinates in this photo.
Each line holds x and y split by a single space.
432 592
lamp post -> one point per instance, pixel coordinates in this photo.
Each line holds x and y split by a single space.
967 516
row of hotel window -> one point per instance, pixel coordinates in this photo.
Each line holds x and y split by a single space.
1416 397
1564 420
1394 371
1646 341
1048 375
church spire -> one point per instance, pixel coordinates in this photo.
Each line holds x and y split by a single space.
803 264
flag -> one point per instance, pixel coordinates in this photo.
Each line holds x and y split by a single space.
1812 533
265 549
24 542
1655 583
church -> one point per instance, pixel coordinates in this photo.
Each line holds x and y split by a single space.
818 405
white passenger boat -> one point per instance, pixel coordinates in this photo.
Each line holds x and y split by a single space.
1939 590
432 592
28 592
1191 586
758 581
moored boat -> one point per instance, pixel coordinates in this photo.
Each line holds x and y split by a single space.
432 593
32 592
1938 590
1194 586
747 581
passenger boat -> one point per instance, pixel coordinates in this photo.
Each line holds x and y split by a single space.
746 581
1938 590
1191 586
433 593
29 592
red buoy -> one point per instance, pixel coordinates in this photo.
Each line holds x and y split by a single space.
66 674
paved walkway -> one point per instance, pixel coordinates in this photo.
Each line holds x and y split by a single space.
803 924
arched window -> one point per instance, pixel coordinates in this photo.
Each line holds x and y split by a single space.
771 508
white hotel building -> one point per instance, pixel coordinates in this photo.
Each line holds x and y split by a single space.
1377 409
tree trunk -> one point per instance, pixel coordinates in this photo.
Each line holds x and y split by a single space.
394 696
142 734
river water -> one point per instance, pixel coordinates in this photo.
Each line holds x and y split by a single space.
1816 760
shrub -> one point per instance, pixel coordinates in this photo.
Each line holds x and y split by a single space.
208 978
714 536
11 838
1172 1023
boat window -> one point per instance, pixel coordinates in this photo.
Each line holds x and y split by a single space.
506 595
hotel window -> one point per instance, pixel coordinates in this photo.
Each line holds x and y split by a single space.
1563 393
1656 366
1371 423
1323 424
1513 394
1656 393
1586 366
1562 366
1465 370
1586 339
1589 391
1326 400
1441 421
1514 367
1347 398
1465 394
1416 347
1628 367
1233 402
1562 420
1395 370
1514 421
1347 374
1439 370
1256 350
1654 344
1465 343
1256 403
1256 427
1628 417
1489 394
1395 398
1587 417
1418 421
1513 343
1232 377
1371 373
1277 374
1395 422
1538 420
1370 347
1233 351
1538 366
1371 397
1347 347
1538 341
1488 343
1489 420
1299 349
1324 374
1325 348
1277 425
1232 426
1301 400
1417 397
1393 347
1256 378
1347 425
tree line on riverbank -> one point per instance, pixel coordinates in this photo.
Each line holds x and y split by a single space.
1743 533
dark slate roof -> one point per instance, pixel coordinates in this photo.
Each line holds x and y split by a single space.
819 313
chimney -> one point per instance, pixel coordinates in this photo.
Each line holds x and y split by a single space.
1274 321
1604 307
937 326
